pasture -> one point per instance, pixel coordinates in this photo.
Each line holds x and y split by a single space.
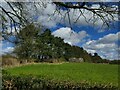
73 72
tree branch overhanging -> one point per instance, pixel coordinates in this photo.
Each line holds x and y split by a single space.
104 12
108 11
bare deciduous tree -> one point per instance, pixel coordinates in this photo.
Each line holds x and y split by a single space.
18 13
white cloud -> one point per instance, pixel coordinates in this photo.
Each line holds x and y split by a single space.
70 36
95 6
49 17
109 38
8 49
5 48
106 47
46 17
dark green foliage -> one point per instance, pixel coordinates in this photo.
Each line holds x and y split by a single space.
114 62
29 82
38 46
26 45
96 58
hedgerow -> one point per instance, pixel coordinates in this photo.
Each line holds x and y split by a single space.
30 82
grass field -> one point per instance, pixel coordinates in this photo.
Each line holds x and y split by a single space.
74 72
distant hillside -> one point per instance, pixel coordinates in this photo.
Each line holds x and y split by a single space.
40 47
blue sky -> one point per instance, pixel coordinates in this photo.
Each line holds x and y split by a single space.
94 32
92 38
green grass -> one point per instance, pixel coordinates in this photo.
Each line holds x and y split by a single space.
74 72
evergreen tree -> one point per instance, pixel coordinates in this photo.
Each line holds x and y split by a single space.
40 46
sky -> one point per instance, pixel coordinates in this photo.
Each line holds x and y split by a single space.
92 38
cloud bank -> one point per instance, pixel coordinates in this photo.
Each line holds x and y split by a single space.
106 47
49 16
70 36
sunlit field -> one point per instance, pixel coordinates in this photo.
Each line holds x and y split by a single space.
73 72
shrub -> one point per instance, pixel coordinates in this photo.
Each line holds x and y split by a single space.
55 60
29 82
9 61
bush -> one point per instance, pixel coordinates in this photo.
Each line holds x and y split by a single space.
115 62
55 60
8 60
29 82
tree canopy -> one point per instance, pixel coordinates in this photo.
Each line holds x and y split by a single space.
34 45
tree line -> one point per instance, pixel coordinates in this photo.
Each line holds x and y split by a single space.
34 44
